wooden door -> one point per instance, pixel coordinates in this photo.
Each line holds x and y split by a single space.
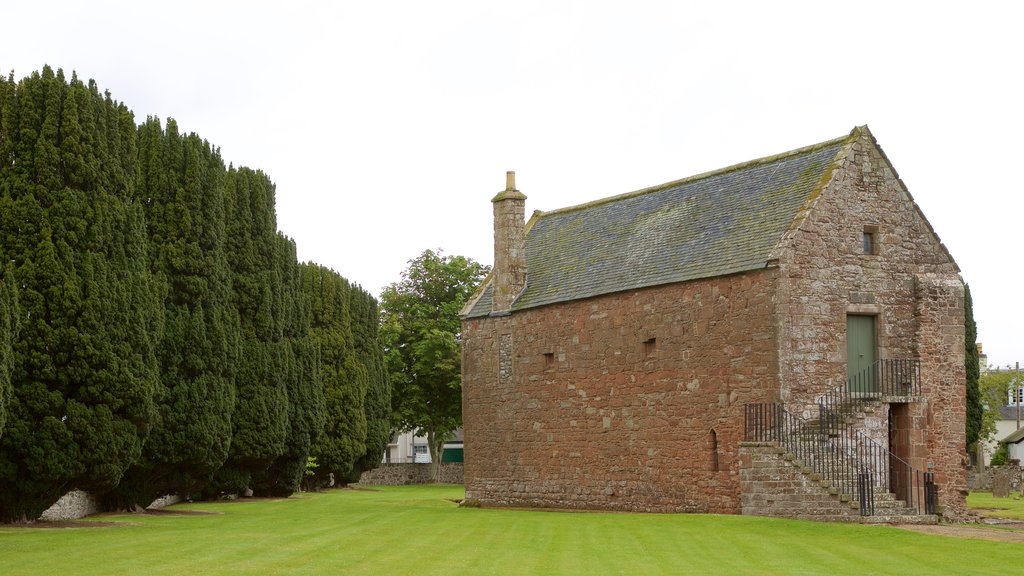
860 353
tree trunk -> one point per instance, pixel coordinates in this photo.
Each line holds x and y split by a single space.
435 455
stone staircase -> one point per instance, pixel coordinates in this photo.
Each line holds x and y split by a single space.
887 509
833 457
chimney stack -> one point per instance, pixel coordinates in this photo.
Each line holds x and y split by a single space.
509 274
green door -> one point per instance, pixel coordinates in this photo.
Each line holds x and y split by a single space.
860 353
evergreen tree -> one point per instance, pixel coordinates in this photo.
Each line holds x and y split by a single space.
8 299
181 179
8 331
301 371
345 378
260 419
73 231
975 410
377 402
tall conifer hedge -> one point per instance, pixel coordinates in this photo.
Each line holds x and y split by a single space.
260 418
157 333
74 232
181 178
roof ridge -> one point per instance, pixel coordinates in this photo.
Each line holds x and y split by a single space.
853 135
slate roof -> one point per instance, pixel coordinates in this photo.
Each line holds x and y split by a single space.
1014 437
1009 412
722 222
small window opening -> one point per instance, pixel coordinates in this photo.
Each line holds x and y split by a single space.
869 240
714 451
549 360
649 347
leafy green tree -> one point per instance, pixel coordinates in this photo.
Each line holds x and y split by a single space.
182 181
345 377
420 330
996 386
973 369
301 372
1001 456
73 231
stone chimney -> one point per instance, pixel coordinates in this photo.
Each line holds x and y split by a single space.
509 274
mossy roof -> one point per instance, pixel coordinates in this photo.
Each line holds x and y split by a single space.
722 222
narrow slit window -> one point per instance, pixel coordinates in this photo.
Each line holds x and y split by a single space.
714 451
649 347
549 360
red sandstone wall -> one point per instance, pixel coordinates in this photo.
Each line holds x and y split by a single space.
598 423
912 286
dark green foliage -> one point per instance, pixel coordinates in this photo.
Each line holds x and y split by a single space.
73 233
419 328
8 331
260 420
377 402
157 333
301 372
1001 456
345 378
975 409
181 179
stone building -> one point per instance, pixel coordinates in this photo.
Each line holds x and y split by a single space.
780 337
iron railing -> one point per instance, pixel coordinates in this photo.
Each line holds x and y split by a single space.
895 377
853 463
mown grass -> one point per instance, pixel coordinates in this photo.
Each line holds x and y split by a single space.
416 531
986 504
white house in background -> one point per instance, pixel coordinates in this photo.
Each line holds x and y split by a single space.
408 447
1009 425
1015 445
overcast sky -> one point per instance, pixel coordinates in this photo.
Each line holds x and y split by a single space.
388 126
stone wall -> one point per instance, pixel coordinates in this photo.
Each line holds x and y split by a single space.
401 474
909 284
73 505
629 401
982 481
78 504
774 486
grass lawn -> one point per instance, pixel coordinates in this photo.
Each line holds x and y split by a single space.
983 502
416 531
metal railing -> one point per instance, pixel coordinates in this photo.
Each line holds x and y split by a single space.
853 463
895 377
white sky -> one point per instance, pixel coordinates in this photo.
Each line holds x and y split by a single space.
388 126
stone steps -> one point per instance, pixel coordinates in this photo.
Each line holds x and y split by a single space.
887 508
900 519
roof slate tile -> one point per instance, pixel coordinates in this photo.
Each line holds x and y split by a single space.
709 225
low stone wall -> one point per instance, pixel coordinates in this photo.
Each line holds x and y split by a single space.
401 474
74 504
78 504
982 481
771 485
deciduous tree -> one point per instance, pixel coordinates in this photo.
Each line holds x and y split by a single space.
420 330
